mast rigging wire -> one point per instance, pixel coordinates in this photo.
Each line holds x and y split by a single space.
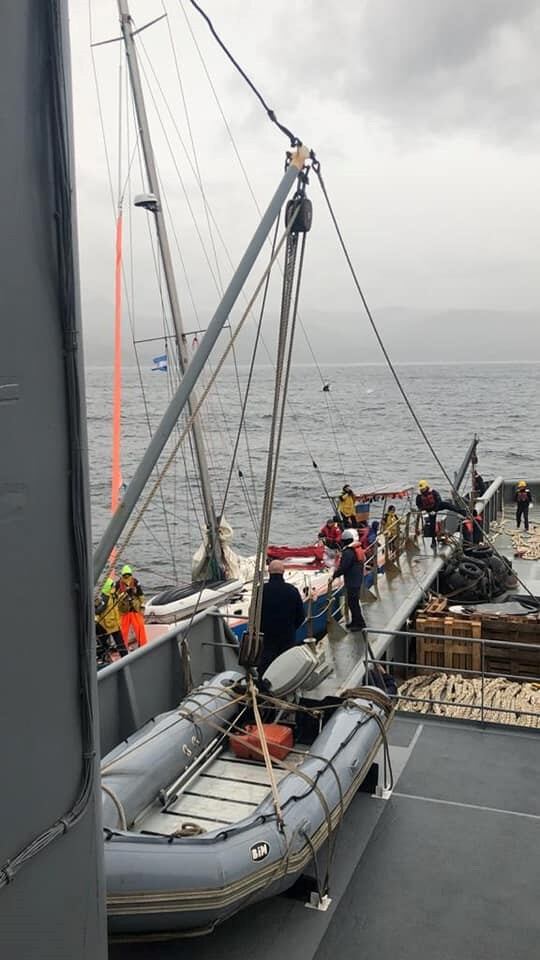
196 174
251 367
195 169
290 295
469 509
341 419
202 397
293 140
129 292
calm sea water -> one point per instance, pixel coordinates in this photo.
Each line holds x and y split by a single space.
360 432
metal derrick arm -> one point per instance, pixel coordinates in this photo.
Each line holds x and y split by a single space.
194 368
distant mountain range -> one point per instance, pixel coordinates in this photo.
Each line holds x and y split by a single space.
410 336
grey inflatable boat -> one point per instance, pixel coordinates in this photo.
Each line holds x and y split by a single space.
193 833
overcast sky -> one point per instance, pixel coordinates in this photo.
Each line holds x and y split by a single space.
425 115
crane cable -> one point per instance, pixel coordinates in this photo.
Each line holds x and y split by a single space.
250 374
250 650
202 397
468 509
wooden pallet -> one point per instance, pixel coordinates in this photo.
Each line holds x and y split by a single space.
452 652
436 605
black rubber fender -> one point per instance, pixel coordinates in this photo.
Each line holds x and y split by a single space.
470 569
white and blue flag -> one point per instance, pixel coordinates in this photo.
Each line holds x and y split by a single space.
160 363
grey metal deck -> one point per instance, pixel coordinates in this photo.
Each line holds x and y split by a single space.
398 596
446 869
528 571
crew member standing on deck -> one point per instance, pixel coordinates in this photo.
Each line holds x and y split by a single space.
108 628
282 615
131 605
347 506
523 499
430 501
479 484
390 522
351 568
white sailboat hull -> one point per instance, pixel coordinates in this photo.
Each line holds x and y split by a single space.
187 601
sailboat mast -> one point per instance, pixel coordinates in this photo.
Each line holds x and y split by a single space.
170 281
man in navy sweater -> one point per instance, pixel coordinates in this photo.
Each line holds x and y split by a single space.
351 568
282 614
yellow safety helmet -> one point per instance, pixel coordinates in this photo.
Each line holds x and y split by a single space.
522 483
126 570
423 485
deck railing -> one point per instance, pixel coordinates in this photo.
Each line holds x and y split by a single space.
154 678
490 504
483 709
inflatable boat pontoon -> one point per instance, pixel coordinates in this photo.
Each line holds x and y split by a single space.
193 832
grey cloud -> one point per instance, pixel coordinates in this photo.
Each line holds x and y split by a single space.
435 65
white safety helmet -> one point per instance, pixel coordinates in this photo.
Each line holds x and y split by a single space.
349 536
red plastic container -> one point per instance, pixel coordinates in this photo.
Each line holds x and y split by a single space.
247 746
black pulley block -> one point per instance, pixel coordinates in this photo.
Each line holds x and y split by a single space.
304 217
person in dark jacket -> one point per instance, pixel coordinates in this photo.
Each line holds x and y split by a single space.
522 499
479 485
282 614
430 501
351 568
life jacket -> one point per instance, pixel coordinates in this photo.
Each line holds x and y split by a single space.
130 603
109 618
358 552
428 500
363 537
523 496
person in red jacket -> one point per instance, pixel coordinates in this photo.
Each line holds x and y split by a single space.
330 534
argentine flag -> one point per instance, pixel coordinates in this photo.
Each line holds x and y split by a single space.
160 363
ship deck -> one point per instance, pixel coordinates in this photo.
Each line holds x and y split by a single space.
445 868
399 592
528 571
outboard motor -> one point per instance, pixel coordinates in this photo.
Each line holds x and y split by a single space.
303 666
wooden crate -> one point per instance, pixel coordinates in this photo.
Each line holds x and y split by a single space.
499 660
451 652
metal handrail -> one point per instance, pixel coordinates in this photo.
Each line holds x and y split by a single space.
432 668
446 636
460 670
